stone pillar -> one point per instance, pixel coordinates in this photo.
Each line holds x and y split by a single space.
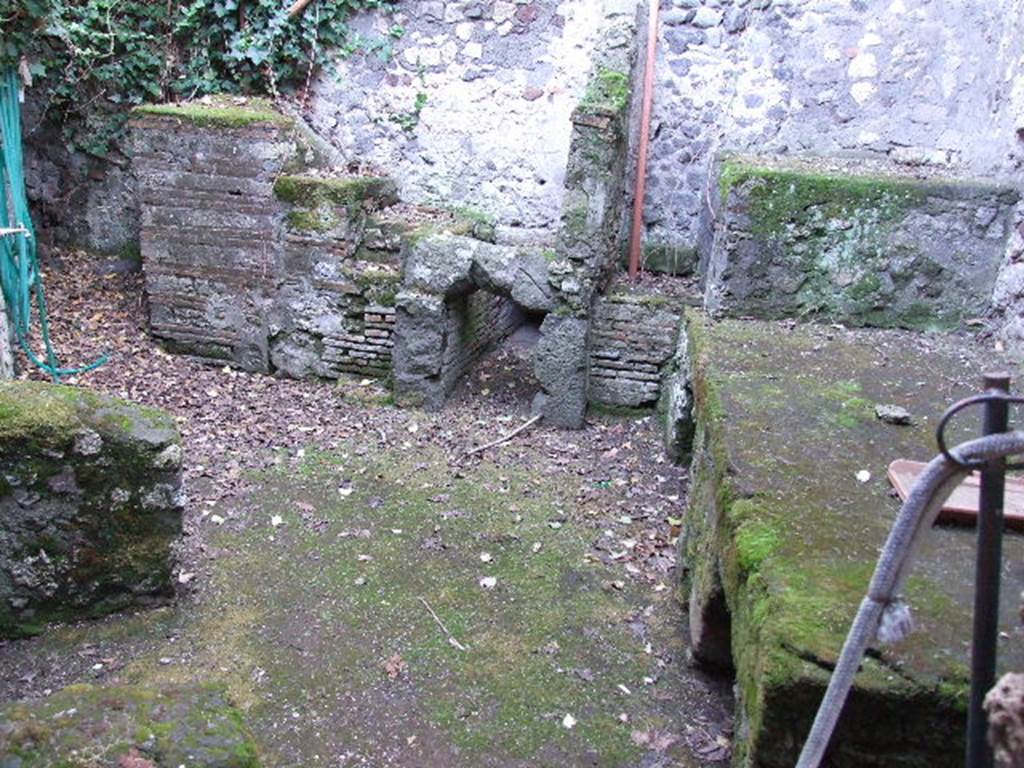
420 324
560 362
587 247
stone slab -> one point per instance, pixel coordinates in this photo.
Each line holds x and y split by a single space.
781 536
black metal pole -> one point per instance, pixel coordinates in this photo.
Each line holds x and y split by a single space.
986 585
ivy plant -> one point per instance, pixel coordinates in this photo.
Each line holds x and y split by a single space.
92 60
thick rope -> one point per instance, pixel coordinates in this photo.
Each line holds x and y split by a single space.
20 276
883 611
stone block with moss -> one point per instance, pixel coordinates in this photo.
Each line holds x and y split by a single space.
322 204
853 241
781 536
90 505
121 727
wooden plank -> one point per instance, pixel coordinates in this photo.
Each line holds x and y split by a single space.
962 506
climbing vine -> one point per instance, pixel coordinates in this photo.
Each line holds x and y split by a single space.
91 60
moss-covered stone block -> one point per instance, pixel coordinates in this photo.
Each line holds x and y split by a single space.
853 241
115 727
219 112
90 504
781 536
335 207
368 192
608 91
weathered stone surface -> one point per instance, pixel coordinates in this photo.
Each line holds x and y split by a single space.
90 504
496 84
6 347
677 403
847 241
440 265
449 265
1004 706
560 362
594 205
780 531
126 727
837 79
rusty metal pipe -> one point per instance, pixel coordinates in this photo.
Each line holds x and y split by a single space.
645 137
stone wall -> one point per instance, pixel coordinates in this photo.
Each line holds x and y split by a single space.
470 105
90 504
76 198
563 282
632 341
852 241
938 85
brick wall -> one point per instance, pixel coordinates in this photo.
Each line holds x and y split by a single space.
632 341
476 322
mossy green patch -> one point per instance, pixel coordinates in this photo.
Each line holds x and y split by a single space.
837 241
221 112
313 191
30 410
607 91
305 616
784 196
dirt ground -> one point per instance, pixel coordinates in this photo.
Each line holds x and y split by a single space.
371 595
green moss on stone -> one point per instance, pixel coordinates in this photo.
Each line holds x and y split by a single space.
355 191
32 410
223 112
101 555
781 198
322 219
777 514
608 90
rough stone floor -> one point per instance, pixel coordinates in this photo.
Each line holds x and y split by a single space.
330 536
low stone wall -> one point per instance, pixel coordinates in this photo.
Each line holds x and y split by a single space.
850 241
249 257
632 340
778 545
90 504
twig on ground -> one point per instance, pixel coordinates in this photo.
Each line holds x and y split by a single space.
505 438
451 638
